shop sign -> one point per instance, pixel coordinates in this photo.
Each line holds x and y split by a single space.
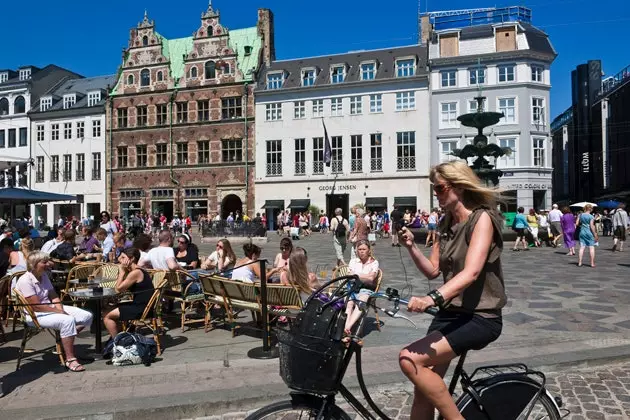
525 186
342 187
586 163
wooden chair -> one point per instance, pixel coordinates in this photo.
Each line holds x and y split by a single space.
339 271
81 271
109 273
240 295
32 330
5 282
283 300
11 311
159 283
213 294
372 302
187 301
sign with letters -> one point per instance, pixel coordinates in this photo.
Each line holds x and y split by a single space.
338 187
526 186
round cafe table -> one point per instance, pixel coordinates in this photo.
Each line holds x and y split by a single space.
97 298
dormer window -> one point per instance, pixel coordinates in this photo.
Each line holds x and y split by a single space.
94 98
368 71
405 67
308 77
337 74
248 50
275 81
45 104
25 74
69 100
4 77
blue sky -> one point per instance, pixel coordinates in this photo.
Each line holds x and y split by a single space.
88 36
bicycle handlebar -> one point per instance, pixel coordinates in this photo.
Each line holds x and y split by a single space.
392 295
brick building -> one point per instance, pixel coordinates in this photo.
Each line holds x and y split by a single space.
181 119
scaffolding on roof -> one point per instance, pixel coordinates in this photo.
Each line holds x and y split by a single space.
455 19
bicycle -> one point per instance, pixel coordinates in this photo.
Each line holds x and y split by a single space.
500 392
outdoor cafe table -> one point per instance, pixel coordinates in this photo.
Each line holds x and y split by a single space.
88 282
97 298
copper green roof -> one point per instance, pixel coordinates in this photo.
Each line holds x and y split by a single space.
175 50
247 37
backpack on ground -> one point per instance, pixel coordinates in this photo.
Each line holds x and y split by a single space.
340 230
131 349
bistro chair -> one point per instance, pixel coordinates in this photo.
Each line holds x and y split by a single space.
372 302
11 310
78 272
187 301
109 273
151 322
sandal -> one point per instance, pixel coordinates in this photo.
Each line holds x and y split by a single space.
74 366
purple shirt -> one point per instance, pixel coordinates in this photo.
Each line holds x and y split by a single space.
28 286
87 245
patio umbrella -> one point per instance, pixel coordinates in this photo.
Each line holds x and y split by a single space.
582 204
608 204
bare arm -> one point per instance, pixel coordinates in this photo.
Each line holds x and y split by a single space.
284 279
430 267
593 229
172 264
38 306
127 282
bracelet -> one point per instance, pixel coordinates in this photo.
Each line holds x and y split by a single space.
437 297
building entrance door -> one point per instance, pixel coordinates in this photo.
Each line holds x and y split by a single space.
334 201
194 208
231 204
165 207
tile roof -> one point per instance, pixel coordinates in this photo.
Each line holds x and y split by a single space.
385 59
81 87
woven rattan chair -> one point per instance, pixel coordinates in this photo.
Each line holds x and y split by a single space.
372 302
32 330
109 273
159 283
81 271
283 300
187 301
11 308
5 282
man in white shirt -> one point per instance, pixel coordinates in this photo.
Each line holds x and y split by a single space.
162 257
7 232
51 245
556 227
106 243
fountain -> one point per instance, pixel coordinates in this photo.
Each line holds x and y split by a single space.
480 148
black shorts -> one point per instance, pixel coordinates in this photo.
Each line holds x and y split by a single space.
130 311
465 331
620 233
520 232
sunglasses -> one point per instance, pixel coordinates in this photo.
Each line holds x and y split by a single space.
219 246
440 188
182 242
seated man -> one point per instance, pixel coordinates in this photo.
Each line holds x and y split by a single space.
65 250
87 248
50 245
105 246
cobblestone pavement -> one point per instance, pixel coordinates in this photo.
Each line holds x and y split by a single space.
590 394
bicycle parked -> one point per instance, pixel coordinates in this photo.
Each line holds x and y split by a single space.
314 360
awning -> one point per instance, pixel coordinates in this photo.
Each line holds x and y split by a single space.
405 202
376 202
299 204
8 162
23 195
274 204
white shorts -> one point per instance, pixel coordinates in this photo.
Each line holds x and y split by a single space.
66 324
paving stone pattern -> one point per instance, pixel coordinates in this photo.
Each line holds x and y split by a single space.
590 394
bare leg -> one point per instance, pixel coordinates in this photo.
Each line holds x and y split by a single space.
68 347
416 362
580 255
591 251
111 322
620 246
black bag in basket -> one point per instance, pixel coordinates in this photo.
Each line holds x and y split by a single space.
311 352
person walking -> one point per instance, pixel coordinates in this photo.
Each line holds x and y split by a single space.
567 222
340 230
556 227
620 226
588 234
396 217
532 221
520 226
360 231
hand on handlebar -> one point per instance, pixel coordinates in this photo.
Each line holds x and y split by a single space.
420 304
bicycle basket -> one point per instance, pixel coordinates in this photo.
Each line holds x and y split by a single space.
310 364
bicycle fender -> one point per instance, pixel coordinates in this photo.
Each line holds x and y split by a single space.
298 398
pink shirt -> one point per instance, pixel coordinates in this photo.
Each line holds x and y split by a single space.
28 286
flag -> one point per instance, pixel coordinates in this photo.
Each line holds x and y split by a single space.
327 148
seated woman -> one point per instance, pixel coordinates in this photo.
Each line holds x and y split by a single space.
17 259
121 243
36 288
366 267
131 279
222 259
298 275
186 253
248 268
281 262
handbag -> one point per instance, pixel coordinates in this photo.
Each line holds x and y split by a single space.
576 234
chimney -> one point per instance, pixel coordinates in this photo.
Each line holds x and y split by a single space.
426 29
265 30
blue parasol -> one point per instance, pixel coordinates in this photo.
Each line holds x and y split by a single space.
608 204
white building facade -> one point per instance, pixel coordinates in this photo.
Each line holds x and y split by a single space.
375 108
68 147
509 64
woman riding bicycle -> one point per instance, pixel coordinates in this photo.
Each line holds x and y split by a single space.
467 252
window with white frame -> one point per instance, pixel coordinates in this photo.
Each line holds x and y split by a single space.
506 73
45 104
405 101
25 74
406 150
507 161
299 110
356 105
54 170
318 155
508 107
447 147
449 78
40 132
69 100
67 167
405 67
67 131
275 81
54 131
39 174
376 103
96 166
356 153
94 98
318 108
477 76
472 105
336 107
80 129
337 74
539 152
308 77
96 129
537 73
336 148
376 152
300 156
273 112
274 157
4 77
80 176
448 115
538 111
368 71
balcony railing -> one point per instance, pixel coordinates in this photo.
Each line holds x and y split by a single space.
67 176
96 174
80 175
54 176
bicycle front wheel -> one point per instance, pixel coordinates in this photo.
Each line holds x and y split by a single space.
298 410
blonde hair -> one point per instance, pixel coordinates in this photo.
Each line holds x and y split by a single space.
588 207
27 246
298 270
458 174
35 258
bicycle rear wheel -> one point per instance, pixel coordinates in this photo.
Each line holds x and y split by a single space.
298 410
